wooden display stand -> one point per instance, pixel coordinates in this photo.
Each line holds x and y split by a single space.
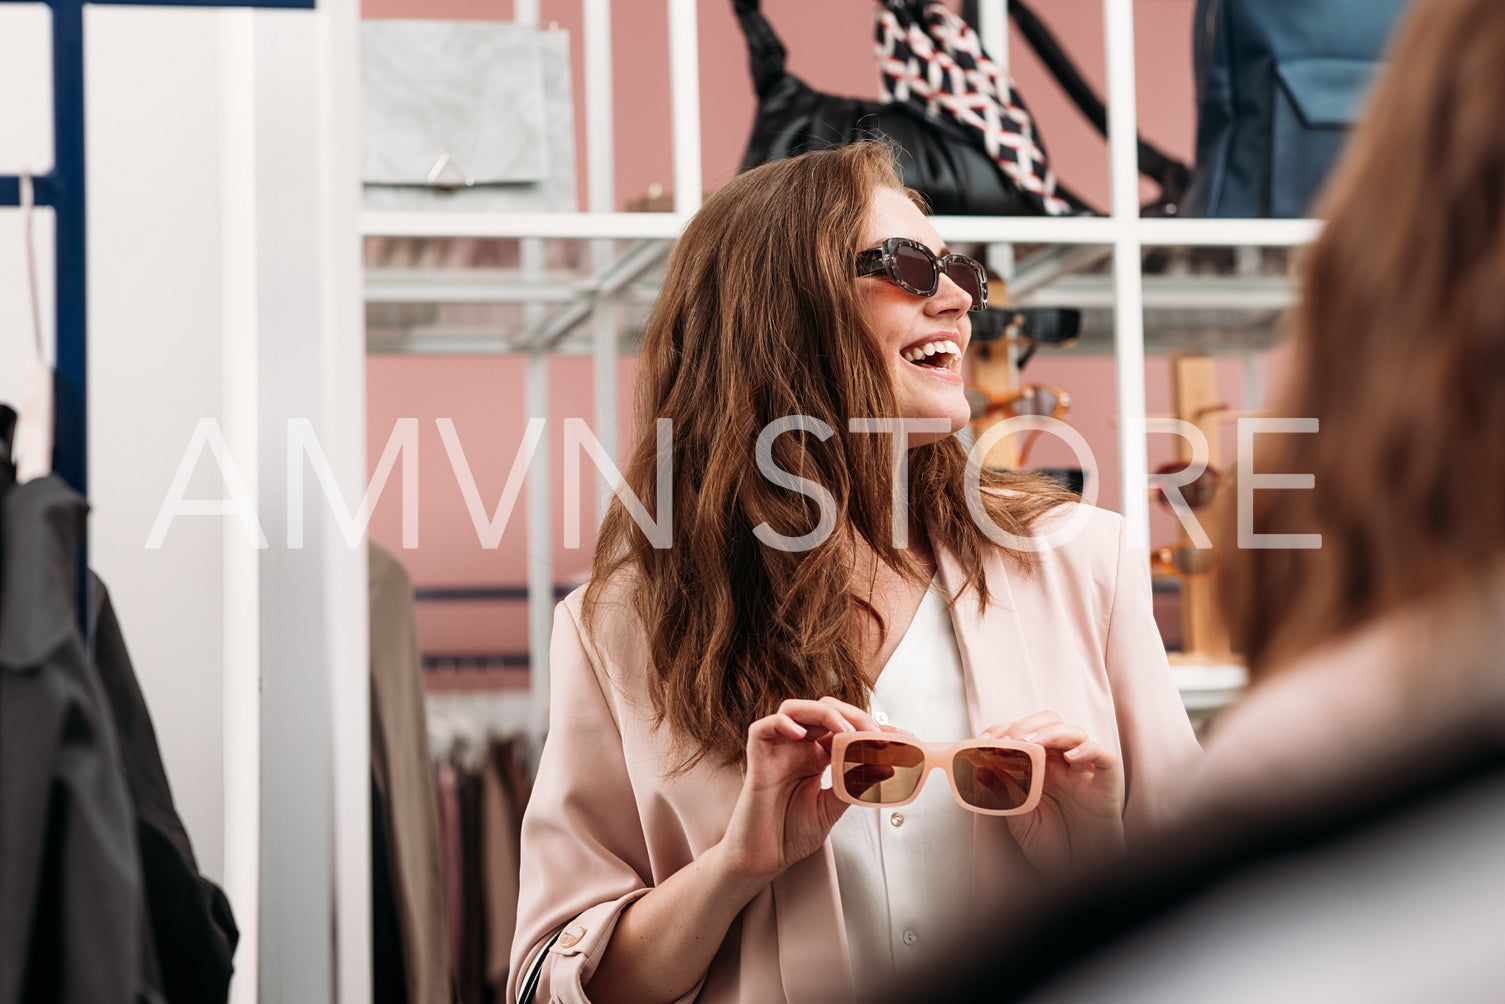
1194 397
991 367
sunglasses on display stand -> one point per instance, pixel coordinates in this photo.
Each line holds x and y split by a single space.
1027 328
1197 494
1032 399
1181 561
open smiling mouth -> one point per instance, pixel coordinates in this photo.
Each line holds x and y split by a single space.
939 354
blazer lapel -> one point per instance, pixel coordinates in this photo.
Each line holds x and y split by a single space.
1001 687
995 654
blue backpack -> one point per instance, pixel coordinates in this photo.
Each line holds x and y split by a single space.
1279 82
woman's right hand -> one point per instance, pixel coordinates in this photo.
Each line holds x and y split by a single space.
783 814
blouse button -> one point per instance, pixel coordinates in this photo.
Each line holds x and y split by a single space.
910 937
880 718
897 819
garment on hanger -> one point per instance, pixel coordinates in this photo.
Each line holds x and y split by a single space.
103 898
470 976
483 784
454 878
192 926
402 777
504 796
73 916
389 978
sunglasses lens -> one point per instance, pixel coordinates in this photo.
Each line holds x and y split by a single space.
1036 402
1189 560
965 274
914 269
991 778
879 771
1199 493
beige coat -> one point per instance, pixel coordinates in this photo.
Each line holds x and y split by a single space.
605 823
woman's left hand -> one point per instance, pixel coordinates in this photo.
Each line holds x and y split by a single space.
1080 815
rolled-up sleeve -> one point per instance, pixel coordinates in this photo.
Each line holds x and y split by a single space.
584 855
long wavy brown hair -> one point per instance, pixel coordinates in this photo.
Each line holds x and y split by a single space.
1399 353
760 319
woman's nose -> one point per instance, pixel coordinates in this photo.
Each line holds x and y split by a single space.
950 296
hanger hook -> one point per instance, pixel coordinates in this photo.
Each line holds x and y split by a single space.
28 203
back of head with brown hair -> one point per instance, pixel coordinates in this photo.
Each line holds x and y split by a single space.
760 319
1399 353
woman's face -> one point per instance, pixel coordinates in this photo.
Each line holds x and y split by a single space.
903 322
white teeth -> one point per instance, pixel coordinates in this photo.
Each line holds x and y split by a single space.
943 347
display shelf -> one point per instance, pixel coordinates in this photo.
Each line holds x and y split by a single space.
1206 686
1127 313
514 225
1148 232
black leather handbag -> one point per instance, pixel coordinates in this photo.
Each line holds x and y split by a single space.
937 157
1279 82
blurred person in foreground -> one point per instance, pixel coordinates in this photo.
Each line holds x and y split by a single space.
1343 833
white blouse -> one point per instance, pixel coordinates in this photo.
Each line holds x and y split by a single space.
905 875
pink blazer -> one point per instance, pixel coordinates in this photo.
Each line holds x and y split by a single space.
605 823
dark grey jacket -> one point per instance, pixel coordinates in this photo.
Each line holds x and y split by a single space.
100 896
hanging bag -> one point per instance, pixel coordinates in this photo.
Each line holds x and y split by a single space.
937 155
956 117
1279 83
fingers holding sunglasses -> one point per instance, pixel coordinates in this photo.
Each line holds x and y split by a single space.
1091 756
1024 728
798 720
782 813
855 715
1068 741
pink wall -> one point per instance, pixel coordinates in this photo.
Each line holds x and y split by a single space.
830 46
483 396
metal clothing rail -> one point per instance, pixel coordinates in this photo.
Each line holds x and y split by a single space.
64 189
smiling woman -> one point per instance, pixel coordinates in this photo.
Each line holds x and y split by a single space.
919 316
679 834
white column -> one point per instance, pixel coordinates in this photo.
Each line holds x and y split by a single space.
315 766
1129 303
600 150
540 553
241 598
684 81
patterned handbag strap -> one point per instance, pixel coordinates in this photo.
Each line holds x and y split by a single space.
932 60
1172 175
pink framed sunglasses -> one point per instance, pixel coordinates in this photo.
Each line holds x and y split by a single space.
995 777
